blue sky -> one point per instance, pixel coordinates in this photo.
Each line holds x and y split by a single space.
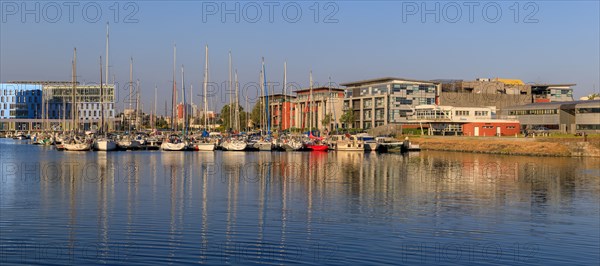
547 41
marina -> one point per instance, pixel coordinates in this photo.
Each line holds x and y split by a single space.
310 133
308 208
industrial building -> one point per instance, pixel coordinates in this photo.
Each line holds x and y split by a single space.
485 92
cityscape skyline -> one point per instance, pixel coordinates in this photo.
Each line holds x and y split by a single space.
352 43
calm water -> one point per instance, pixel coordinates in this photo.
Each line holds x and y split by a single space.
295 208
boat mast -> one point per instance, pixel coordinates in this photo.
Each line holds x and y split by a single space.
130 93
335 124
73 92
236 115
155 111
230 94
184 128
138 124
285 98
262 101
106 54
205 88
310 108
174 91
266 97
191 103
101 100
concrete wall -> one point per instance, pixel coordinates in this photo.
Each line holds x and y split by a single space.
464 99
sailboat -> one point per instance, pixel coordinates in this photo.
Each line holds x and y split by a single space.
205 144
174 142
103 143
76 143
316 143
265 144
233 143
127 142
289 144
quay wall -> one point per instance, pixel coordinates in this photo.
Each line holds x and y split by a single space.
573 147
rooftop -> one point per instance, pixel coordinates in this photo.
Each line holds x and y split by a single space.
318 89
382 80
553 85
552 105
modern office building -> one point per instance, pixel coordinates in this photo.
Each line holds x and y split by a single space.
587 116
23 101
51 102
382 101
564 117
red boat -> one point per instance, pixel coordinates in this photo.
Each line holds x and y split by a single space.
317 147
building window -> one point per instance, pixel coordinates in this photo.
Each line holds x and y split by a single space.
481 113
589 127
462 113
588 110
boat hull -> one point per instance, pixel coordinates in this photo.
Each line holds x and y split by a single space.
320 147
105 145
77 147
204 146
167 146
234 146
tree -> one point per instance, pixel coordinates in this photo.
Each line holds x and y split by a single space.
326 120
225 117
162 123
257 113
348 118
593 96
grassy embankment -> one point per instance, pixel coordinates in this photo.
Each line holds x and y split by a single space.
555 145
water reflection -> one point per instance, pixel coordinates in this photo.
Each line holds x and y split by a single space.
294 207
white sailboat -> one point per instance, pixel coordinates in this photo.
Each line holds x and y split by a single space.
174 142
103 143
205 144
128 142
234 145
76 143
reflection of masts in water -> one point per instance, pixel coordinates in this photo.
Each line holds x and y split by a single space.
232 190
204 228
72 208
102 203
265 178
284 190
172 225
